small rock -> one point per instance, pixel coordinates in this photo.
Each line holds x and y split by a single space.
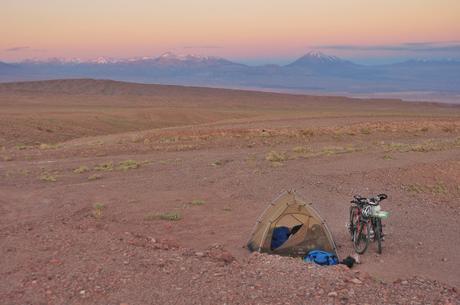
199 254
55 261
356 281
404 282
332 294
356 257
444 259
82 291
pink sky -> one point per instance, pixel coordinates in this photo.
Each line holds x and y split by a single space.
234 29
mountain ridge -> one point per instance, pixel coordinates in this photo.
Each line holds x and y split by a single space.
314 72
309 57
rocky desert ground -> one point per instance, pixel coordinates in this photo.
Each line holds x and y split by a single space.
118 193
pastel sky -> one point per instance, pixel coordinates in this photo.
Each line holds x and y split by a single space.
250 31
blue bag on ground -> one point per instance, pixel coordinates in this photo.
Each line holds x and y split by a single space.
322 258
280 235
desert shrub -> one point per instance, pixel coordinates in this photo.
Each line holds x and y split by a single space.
400 147
95 177
108 166
307 132
21 146
166 140
128 164
221 162
48 177
300 149
81 169
48 146
439 188
197 202
97 210
274 156
265 133
329 151
137 139
24 172
7 158
414 188
169 216
448 128
387 157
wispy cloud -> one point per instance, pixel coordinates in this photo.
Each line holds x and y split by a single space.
203 47
17 49
453 46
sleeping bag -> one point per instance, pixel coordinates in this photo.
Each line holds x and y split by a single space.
280 235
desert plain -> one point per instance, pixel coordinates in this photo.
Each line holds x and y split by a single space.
123 193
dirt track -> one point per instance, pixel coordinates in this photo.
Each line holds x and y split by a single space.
95 228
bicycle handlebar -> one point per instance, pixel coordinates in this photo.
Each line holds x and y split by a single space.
358 199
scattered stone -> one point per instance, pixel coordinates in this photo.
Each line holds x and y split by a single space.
332 294
404 282
199 254
356 281
356 257
55 261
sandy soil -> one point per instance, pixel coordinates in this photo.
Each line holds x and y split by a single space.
81 205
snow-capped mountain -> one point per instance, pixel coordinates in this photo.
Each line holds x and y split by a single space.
167 58
190 60
315 59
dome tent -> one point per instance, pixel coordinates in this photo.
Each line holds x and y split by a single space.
289 210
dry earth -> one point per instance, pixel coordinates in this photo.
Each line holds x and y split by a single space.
115 193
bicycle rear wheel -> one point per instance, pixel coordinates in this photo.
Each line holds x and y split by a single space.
361 237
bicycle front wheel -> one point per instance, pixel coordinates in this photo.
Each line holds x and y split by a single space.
361 237
378 235
354 218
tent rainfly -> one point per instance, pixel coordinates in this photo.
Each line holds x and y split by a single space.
290 211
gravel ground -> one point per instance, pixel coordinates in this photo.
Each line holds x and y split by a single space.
169 274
